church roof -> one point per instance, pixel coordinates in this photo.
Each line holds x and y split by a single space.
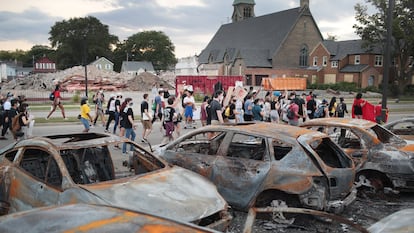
254 39
243 1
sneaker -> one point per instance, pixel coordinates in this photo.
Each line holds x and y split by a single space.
46 118
106 131
144 140
66 118
3 138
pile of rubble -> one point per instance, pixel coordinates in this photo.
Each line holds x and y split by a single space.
73 79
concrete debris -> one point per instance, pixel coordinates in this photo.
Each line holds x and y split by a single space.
73 79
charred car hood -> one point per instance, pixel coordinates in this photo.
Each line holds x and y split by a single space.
174 193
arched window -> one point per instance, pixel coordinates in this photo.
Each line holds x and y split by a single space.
303 56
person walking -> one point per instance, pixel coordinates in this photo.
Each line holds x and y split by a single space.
189 104
111 108
57 102
248 106
117 110
332 107
85 117
294 108
167 120
26 121
258 112
145 118
99 100
7 105
311 107
357 106
127 122
216 109
158 106
203 111
341 108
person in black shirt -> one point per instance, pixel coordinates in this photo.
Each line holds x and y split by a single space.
168 119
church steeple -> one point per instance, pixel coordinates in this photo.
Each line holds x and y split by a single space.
243 9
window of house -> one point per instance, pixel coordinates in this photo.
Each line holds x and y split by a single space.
378 60
334 64
107 67
357 59
324 60
303 57
315 61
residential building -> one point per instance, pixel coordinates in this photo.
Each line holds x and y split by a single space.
137 67
44 65
348 61
102 63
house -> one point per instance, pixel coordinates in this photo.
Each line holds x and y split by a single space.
137 67
44 65
187 66
348 61
273 45
9 70
102 63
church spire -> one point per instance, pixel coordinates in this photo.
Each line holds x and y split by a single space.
243 9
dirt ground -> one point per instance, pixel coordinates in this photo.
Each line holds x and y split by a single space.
366 210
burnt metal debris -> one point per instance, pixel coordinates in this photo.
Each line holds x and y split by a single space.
383 160
84 168
254 164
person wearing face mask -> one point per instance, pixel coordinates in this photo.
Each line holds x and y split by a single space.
257 110
85 116
216 108
127 122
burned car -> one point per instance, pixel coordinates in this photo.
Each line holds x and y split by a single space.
91 218
87 168
381 157
254 164
402 127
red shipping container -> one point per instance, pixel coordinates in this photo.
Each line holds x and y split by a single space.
203 84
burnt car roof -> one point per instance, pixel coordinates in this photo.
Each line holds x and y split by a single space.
267 129
341 122
91 218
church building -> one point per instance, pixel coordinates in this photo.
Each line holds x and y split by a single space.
268 46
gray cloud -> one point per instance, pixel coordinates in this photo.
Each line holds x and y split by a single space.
185 25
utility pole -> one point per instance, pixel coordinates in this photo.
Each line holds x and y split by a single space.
387 57
85 62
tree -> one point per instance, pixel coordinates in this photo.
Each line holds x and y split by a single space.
80 38
372 29
152 46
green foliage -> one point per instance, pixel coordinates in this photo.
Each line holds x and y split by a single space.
79 41
372 29
343 86
76 97
152 46
198 97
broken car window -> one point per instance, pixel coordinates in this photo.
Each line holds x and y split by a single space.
247 147
41 165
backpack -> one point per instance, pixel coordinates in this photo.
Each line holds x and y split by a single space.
15 124
52 96
290 113
340 109
227 111
320 111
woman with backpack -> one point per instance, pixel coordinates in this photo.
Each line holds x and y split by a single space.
332 107
341 108
57 102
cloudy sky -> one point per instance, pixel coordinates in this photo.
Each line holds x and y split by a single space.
190 24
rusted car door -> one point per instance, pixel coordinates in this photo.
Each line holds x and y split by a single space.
242 165
196 152
36 180
334 163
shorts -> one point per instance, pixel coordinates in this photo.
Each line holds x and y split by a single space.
146 124
169 128
85 123
188 111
